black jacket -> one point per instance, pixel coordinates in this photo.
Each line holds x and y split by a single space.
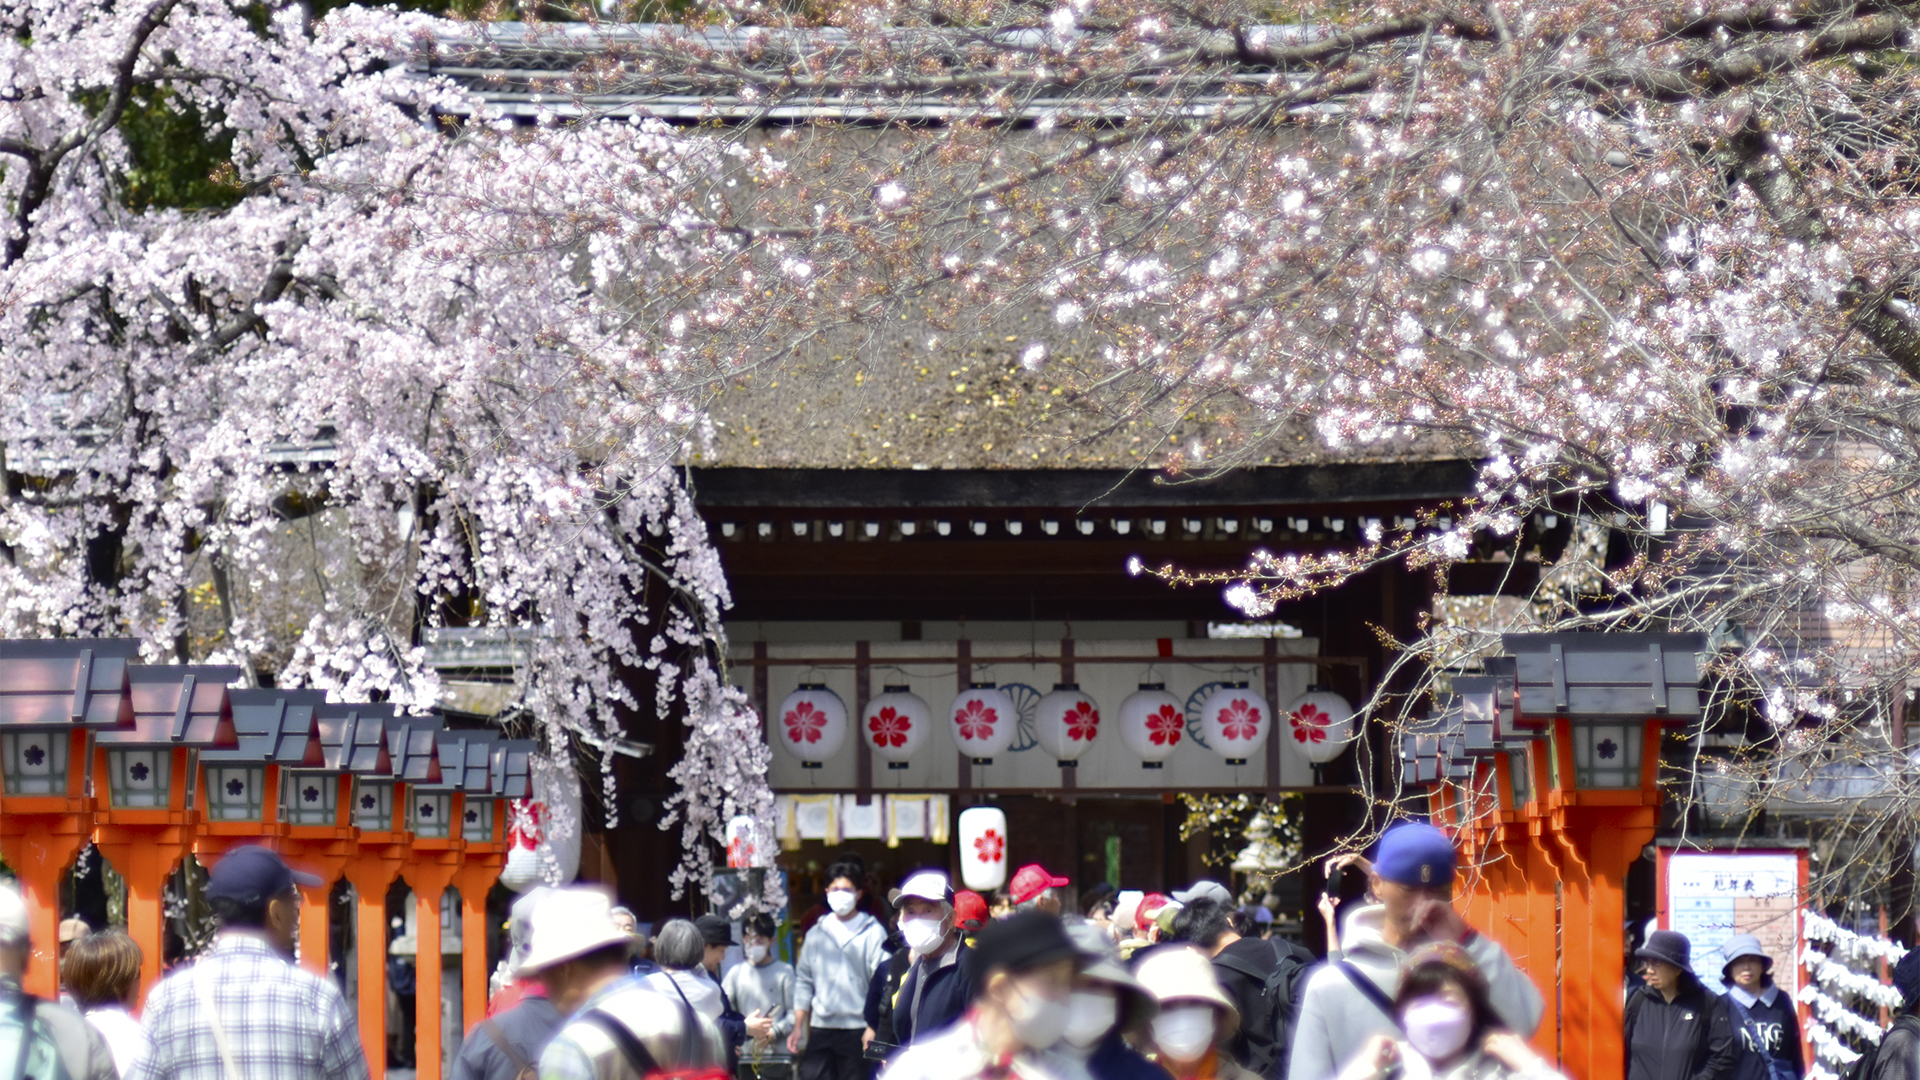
1243 969
1685 1039
1770 1032
949 990
1899 1055
881 989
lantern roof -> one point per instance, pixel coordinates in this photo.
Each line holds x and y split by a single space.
1607 674
179 704
411 742
466 761
73 682
274 726
353 737
512 768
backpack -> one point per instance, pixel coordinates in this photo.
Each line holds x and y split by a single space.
1279 997
1866 1067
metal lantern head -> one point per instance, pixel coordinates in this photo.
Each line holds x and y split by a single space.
177 710
49 690
1065 723
896 725
1152 724
1608 686
508 771
274 728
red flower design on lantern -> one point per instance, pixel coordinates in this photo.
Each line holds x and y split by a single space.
990 845
1083 722
889 727
1164 727
976 719
1239 720
1310 723
805 723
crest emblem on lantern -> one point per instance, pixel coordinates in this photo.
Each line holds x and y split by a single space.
1152 724
984 722
812 724
1237 721
982 833
896 724
1065 723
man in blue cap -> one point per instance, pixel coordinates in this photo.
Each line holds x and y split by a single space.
1346 1001
245 1009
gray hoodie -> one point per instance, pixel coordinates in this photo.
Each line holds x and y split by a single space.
1336 1017
837 961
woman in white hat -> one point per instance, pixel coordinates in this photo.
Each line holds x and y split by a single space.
1196 1017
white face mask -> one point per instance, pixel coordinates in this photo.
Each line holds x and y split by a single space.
922 935
1090 1015
1184 1032
842 901
1038 1022
1436 1027
756 953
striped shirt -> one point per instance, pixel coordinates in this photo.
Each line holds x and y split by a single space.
278 1020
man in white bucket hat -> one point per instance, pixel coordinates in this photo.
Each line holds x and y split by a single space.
617 1029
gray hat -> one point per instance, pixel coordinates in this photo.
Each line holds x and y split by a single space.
1739 947
1204 889
1670 946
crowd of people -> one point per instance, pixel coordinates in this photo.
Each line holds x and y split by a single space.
936 984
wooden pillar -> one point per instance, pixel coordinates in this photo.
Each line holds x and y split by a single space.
143 860
42 850
429 882
474 880
314 926
370 878
1542 962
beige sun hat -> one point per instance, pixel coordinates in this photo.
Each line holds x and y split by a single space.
570 923
1183 973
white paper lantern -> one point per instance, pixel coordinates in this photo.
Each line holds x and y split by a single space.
1237 722
984 722
1065 723
812 723
1319 724
743 843
1152 724
543 833
896 725
983 848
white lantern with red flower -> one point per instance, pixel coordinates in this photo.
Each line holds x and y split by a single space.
812 723
1236 721
896 725
1152 724
983 848
1065 723
984 722
1319 724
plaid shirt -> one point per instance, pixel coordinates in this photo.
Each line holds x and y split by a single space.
280 1021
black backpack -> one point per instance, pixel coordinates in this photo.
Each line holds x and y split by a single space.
1279 997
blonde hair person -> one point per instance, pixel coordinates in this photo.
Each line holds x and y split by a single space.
1196 1018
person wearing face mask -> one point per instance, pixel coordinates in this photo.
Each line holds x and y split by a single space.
1450 1030
1675 1029
763 988
830 982
940 984
1027 965
1107 1007
1347 1001
1196 1020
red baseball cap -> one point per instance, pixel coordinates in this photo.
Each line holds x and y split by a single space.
969 910
1150 906
1031 880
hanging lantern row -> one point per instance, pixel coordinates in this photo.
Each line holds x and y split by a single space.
1235 722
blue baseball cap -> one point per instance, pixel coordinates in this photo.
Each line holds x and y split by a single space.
252 874
1416 854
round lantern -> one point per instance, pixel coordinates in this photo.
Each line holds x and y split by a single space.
896 725
1065 723
1152 724
543 833
812 724
984 722
743 848
1319 724
983 848
1237 722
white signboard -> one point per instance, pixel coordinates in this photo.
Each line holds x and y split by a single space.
1711 897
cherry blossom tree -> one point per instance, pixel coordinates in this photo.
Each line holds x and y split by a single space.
406 373
1652 266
